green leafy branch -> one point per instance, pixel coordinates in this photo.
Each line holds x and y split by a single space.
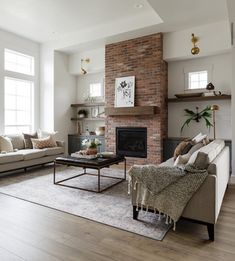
197 116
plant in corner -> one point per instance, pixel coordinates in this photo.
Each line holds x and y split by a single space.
197 116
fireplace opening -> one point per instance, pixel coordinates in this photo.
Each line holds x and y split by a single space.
131 142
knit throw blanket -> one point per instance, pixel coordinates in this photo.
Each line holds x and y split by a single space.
166 189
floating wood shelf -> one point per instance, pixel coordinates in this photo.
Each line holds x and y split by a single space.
202 98
93 104
88 119
131 111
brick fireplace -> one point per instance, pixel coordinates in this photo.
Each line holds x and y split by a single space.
143 58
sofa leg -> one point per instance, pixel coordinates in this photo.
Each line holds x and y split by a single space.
135 213
211 231
25 170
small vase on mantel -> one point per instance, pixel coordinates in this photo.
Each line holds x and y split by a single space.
91 151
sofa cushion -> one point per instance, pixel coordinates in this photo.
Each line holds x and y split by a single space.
27 139
6 144
10 157
29 154
212 150
17 141
53 151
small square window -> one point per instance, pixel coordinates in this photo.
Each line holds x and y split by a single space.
96 90
197 80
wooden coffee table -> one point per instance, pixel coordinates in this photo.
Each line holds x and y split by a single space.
98 164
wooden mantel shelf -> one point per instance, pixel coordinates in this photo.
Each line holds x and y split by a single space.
131 111
206 98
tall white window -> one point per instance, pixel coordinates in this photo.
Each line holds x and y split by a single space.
197 80
18 92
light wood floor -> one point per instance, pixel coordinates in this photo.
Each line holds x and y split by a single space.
32 232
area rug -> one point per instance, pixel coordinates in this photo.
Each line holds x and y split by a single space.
111 207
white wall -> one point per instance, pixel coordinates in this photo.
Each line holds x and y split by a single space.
19 44
213 39
46 88
231 11
83 84
222 80
96 64
64 95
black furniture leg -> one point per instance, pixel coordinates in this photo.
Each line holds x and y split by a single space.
211 231
135 213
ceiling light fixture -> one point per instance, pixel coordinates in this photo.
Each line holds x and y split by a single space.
138 6
195 50
87 60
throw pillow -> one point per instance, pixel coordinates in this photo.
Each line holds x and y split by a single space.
27 139
202 161
17 141
180 147
212 150
44 134
199 138
5 144
182 159
43 143
195 148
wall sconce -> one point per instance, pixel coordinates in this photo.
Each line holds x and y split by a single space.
213 109
195 50
87 60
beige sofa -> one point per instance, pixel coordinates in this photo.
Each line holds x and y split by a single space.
24 158
204 206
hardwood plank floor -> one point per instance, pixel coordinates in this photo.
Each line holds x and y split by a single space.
32 232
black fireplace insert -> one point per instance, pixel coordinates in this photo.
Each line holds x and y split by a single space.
131 142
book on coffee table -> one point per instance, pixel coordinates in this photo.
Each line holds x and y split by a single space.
81 156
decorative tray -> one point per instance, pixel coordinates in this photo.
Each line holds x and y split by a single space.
106 154
80 156
189 95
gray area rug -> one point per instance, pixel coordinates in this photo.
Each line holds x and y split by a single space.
112 207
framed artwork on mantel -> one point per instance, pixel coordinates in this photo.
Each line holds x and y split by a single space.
125 91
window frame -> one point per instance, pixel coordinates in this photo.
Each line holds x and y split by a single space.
195 69
32 65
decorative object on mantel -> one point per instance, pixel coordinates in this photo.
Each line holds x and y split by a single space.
82 113
213 109
187 95
197 116
125 91
83 71
195 50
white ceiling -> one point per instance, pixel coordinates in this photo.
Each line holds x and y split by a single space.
44 20
48 20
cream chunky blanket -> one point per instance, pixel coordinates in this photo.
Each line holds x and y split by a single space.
166 189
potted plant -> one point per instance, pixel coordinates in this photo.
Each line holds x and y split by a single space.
82 113
91 145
